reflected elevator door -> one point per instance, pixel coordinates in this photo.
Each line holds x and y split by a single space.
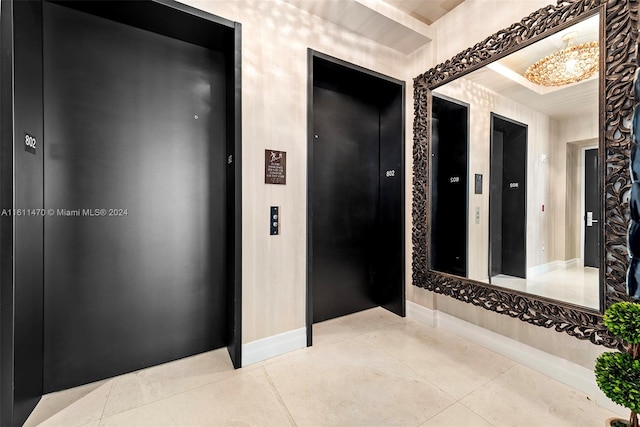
449 213
134 169
508 198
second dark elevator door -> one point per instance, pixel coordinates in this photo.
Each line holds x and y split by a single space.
508 198
134 125
356 258
345 203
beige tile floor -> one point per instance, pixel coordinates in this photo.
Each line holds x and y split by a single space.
366 369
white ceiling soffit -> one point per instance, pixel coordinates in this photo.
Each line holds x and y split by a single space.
427 11
374 19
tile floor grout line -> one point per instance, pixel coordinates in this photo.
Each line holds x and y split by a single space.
455 400
280 399
235 372
411 369
53 414
154 401
515 364
112 380
453 397
477 414
106 401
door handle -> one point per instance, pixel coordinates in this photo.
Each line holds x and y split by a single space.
590 220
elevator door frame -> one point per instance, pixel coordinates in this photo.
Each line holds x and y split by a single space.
493 118
583 205
21 112
311 55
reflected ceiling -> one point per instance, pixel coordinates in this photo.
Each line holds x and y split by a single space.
557 102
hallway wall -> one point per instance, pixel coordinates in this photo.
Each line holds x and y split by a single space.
275 37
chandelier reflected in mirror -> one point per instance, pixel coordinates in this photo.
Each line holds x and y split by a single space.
572 64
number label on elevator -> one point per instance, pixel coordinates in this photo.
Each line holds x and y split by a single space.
454 179
514 184
390 173
30 143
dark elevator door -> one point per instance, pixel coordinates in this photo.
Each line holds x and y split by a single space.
345 203
591 209
134 171
508 198
449 194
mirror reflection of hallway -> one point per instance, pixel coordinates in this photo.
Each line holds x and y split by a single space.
561 122
508 198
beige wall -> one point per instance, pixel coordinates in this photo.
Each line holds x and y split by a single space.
275 38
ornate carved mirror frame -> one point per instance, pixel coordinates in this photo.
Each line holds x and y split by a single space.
618 37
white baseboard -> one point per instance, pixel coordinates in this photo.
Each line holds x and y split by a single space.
266 348
560 369
552 266
422 314
545 268
574 263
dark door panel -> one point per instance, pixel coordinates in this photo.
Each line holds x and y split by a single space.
345 203
449 195
135 121
508 198
592 210
356 191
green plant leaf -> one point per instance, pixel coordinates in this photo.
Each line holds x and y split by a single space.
618 376
623 320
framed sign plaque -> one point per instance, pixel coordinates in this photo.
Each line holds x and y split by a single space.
275 167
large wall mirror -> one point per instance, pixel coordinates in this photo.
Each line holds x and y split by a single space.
520 168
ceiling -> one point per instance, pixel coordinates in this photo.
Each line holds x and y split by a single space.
427 11
403 25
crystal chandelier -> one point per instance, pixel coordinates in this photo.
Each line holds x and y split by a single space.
569 65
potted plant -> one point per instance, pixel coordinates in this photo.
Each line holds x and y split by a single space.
618 373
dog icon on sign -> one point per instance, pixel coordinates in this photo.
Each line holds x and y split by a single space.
275 156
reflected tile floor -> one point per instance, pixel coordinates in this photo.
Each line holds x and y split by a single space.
367 369
578 285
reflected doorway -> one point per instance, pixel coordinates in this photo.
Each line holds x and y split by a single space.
449 193
508 198
591 215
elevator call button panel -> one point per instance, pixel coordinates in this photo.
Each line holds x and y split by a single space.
274 221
